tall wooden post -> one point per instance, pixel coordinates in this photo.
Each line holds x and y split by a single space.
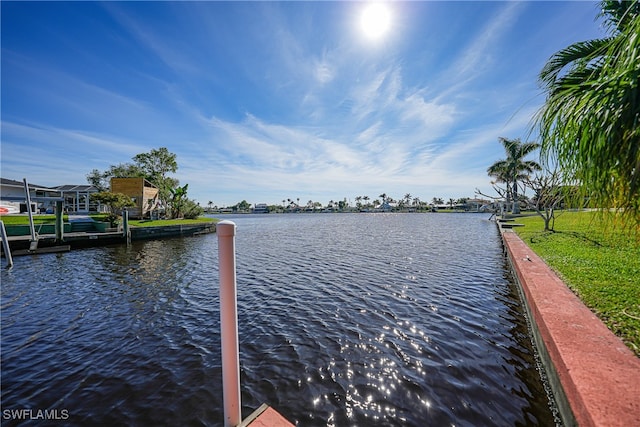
59 221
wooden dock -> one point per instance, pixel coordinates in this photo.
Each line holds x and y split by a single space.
20 244
265 416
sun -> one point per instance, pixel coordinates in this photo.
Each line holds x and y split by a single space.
375 20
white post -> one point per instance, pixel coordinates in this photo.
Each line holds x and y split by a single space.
226 231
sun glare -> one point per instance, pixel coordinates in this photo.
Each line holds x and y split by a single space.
375 20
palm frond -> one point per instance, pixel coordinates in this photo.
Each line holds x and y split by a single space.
578 56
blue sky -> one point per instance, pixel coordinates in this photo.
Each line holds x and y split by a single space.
266 101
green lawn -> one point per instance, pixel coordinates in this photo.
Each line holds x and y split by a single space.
160 222
51 219
599 262
24 219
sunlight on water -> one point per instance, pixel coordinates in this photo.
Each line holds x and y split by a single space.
404 320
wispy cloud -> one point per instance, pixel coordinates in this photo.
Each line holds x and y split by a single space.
269 100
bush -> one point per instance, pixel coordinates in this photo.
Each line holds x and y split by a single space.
192 210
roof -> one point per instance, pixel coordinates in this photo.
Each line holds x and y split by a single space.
83 188
14 183
65 188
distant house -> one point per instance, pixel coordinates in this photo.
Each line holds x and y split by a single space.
77 198
142 192
14 200
476 205
261 208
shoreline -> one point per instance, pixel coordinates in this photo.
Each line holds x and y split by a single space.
594 376
21 243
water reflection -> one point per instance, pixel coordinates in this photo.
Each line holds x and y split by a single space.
344 320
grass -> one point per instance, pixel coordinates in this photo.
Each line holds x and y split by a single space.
161 222
600 264
24 219
51 219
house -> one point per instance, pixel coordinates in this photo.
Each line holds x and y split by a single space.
142 192
14 200
77 198
261 208
477 205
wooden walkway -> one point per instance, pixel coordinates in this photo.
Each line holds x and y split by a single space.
265 416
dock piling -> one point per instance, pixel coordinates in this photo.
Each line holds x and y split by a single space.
226 231
34 240
59 229
125 226
5 245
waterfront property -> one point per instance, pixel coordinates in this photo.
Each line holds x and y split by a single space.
75 198
13 198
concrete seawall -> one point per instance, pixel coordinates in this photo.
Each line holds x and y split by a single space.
145 233
594 377
92 238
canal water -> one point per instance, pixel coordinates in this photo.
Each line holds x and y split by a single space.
344 319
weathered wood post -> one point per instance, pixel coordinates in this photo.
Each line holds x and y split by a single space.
226 231
5 245
125 226
33 245
59 221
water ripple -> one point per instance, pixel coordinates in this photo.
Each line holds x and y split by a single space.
344 320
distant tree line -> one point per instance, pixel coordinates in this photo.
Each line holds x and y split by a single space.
362 204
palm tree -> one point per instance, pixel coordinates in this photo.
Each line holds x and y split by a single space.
590 122
514 168
407 199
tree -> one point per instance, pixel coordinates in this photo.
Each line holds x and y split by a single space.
153 166
102 180
192 209
156 164
514 168
548 195
177 201
98 180
416 202
242 206
115 202
590 120
407 199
